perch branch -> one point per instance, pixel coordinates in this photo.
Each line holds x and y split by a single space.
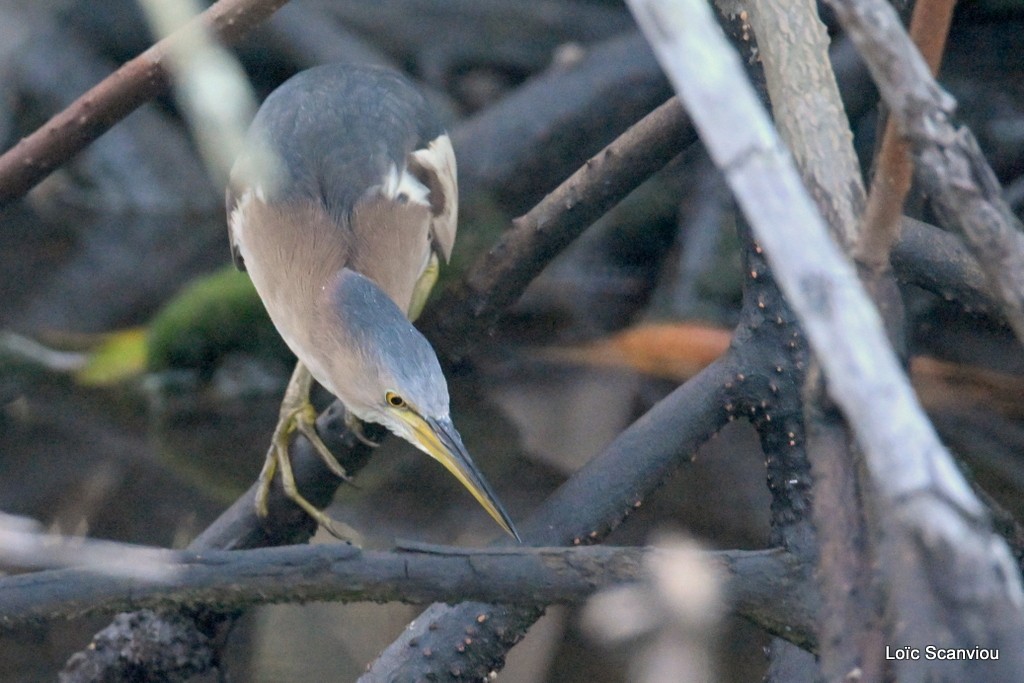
234 580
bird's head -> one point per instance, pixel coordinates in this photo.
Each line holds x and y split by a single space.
385 371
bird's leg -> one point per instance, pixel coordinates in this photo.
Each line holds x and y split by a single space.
297 414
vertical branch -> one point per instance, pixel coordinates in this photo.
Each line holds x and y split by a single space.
929 27
850 627
952 581
807 109
810 117
962 187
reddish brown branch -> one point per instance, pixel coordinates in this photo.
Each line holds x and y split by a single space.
929 27
92 114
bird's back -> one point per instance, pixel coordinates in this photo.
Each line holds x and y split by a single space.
338 129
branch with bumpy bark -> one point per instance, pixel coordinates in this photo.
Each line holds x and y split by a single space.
499 277
950 580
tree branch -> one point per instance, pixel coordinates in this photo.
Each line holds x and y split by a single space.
232 580
583 510
929 27
527 142
932 519
963 189
498 278
938 261
92 114
807 109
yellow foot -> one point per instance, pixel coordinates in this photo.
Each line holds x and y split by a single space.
298 415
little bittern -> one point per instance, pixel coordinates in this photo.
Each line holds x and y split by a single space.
339 208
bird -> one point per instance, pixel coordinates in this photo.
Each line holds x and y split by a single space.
340 207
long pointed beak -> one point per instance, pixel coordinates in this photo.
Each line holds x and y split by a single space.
440 440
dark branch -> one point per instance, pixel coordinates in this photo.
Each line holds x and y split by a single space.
588 506
533 138
938 261
498 278
340 573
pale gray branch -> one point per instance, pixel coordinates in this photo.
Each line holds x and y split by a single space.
962 187
932 519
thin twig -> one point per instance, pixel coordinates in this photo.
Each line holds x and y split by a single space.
135 82
929 27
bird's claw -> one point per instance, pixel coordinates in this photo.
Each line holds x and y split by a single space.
355 425
298 415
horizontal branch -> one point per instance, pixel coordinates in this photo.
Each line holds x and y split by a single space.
938 261
233 580
134 83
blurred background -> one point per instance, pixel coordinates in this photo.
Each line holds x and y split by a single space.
140 379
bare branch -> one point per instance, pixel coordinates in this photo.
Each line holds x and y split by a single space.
809 114
529 141
929 27
115 97
793 46
234 580
932 519
500 276
938 261
586 507
963 189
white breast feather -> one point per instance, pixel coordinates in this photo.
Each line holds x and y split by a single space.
404 183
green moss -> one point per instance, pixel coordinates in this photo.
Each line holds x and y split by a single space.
212 316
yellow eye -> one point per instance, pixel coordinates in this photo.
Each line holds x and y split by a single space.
394 400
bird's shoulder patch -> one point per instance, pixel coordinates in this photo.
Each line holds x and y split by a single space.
434 168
